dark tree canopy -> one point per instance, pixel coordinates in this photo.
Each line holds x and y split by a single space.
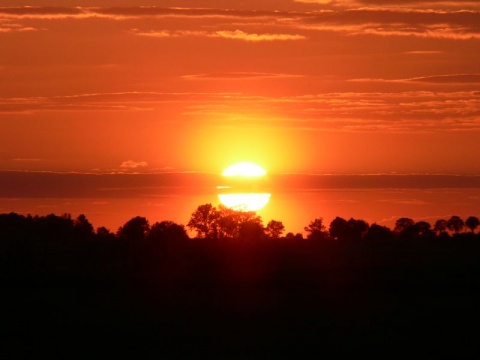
440 226
135 229
167 231
83 227
203 221
403 225
455 224
379 233
472 223
274 229
338 228
316 230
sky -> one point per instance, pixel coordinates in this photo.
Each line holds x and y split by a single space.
297 86
93 94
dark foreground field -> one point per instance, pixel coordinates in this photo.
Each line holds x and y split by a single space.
201 298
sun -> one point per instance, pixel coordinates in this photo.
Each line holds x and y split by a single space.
244 169
245 202
243 193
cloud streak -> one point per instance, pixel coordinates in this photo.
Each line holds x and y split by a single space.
241 35
225 34
413 111
131 164
415 20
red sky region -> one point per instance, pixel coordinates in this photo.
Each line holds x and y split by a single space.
312 86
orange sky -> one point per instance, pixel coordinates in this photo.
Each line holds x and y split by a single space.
311 86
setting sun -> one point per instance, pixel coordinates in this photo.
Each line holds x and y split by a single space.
245 202
244 196
244 169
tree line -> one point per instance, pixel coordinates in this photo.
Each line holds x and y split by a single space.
223 223
346 282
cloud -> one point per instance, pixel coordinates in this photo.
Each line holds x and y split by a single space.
424 52
170 33
449 79
126 13
239 76
130 164
415 111
119 101
241 35
395 3
433 79
235 35
408 111
433 19
10 29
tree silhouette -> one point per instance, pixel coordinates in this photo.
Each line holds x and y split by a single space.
203 221
423 230
292 236
356 229
472 223
404 228
227 223
316 230
83 228
455 224
230 222
55 228
167 231
135 229
251 231
338 229
440 226
103 234
274 229
378 233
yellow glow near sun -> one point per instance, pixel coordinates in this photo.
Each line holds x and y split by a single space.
244 169
245 202
249 200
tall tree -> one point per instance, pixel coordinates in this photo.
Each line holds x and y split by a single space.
204 221
338 229
83 228
404 228
316 230
167 231
472 223
423 230
135 229
357 229
455 224
440 226
379 233
230 222
274 229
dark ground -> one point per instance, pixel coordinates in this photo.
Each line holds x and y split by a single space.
237 301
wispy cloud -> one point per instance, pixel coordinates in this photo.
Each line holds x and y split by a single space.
241 35
131 164
449 79
412 111
432 79
234 35
391 18
444 4
416 111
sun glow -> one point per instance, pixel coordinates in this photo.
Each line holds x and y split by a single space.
243 195
244 169
245 202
